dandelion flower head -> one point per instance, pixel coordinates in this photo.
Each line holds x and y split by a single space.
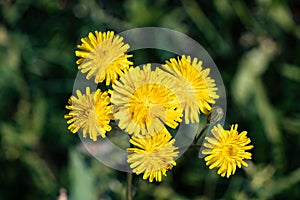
102 55
227 149
89 112
198 89
144 101
152 155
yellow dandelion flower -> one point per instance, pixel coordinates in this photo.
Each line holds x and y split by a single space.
153 155
144 100
198 90
89 112
227 150
103 56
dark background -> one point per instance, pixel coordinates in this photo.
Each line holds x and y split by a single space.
255 45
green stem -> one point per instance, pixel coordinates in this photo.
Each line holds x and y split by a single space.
198 136
196 139
128 187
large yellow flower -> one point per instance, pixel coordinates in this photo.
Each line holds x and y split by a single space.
144 100
198 90
103 56
153 155
227 149
89 112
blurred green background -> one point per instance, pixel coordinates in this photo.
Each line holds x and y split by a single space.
255 45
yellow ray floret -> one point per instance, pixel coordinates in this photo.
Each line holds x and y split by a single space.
152 155
102 55
227 149
144 101
198 89
89 112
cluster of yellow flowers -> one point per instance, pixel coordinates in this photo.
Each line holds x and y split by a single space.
144 101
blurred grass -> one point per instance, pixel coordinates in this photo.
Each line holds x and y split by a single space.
254 44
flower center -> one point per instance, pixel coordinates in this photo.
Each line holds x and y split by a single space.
106 52
90 112
145 106
229 150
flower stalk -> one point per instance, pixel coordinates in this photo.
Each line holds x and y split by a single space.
129 186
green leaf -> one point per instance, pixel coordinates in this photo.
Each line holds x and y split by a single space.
82 183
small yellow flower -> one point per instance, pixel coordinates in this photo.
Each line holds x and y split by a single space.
144 100
227 150
153 155
89 112
198 90
103 56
